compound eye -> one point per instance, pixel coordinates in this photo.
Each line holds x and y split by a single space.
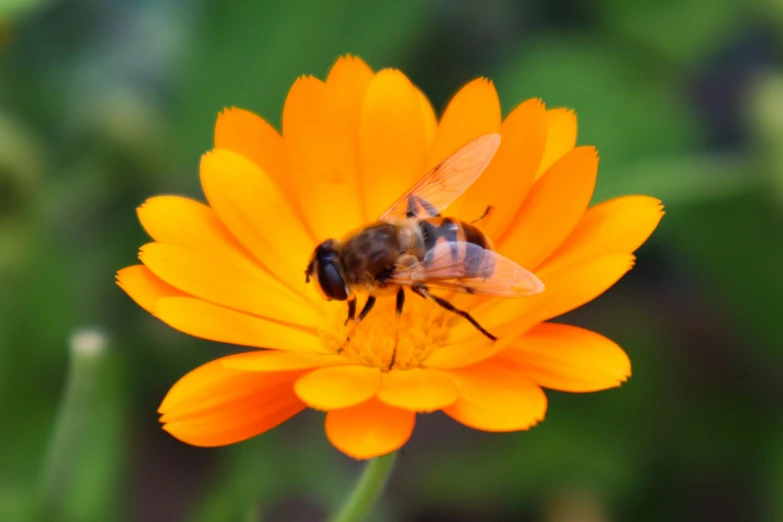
331 282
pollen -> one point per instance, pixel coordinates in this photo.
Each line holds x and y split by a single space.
383 340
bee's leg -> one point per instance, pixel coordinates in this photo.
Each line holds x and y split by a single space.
414 202
412 211
366 310
351 310
398 309
400 301
487 212
424 292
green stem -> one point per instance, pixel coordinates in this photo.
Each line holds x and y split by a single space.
367 490
86 349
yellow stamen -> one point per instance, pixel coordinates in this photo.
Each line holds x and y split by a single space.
422 328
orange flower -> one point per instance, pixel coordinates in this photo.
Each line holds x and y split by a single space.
233 270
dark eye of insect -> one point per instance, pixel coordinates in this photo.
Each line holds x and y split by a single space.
331 281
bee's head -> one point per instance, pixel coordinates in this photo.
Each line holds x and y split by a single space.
325 267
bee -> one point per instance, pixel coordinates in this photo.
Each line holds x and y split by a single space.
412 246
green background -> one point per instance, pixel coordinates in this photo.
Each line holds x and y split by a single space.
104 103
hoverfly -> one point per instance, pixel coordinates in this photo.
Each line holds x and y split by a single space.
412 245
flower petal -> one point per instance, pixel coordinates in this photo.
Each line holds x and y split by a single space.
472 112
494 397
349 79
392 141
567 287
507 179
277 361
338 387
144 287
214 405
258 214
216 323
618 225
430 120
186 222
209 384
417 389
552 209
205 276
321 152
251 136
561 137
568 358
369 430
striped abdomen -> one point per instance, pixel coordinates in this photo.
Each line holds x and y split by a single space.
454 232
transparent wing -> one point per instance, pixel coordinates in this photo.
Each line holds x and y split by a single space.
444 184
465 267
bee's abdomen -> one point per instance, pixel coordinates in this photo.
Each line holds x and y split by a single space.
475 236
439 229
434 230
458 235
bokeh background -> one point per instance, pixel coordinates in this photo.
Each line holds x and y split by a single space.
106 102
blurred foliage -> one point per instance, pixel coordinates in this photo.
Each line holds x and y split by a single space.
105 103
14 9
680 32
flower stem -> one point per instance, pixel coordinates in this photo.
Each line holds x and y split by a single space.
87 348
367 490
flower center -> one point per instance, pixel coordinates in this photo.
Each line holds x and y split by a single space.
383 340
